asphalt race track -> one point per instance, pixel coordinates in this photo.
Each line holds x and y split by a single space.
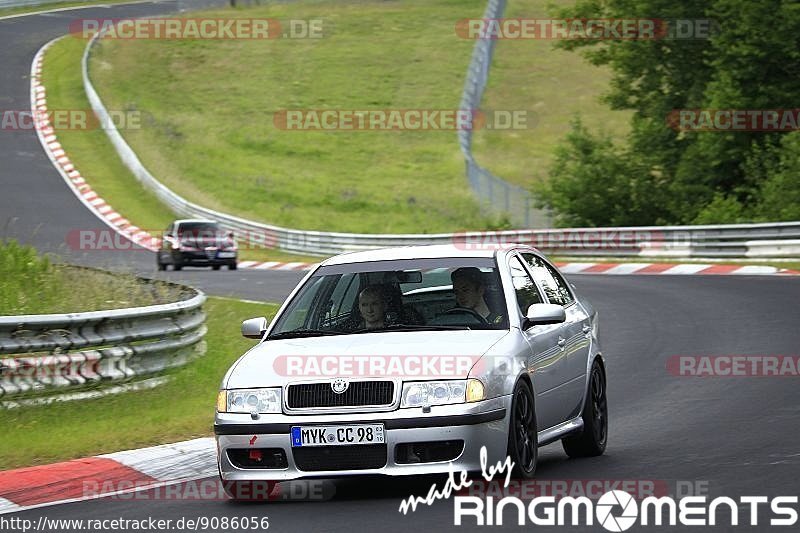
731 436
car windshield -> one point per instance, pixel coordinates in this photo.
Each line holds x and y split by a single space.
199 230
403 295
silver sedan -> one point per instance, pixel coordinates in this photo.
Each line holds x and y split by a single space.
414 360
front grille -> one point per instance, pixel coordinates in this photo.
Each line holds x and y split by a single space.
359 393
358 457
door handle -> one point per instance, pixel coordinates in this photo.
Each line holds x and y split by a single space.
562 341
586 329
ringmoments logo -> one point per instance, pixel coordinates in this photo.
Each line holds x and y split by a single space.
615 510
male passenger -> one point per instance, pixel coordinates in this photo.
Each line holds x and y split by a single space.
469 288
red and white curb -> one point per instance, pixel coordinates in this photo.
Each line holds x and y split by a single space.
601 268
93 201
670 269
275 265
107 475
47 136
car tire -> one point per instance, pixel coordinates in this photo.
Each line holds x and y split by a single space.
161 266
592 441
232 266
249 491
216 267
523 442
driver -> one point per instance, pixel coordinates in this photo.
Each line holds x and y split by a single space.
469 288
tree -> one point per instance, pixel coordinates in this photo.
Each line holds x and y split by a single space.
751 61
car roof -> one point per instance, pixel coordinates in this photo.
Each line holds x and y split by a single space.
431 251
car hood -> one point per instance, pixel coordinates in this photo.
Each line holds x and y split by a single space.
407 354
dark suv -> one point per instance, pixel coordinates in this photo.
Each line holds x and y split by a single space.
197 243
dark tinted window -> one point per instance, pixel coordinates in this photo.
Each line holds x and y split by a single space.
524 287
199 230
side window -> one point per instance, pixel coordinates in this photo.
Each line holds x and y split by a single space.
524 287
344 295
551 281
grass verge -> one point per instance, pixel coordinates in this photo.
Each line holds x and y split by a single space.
30 284
181 409
94 155
208 131
555 85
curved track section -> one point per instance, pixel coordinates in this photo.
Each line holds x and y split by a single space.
36 205
731 436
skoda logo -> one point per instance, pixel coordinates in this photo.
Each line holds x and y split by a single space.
339 385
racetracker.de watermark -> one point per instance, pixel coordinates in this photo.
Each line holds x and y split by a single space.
770 120
69 119
527 489
599 29
209 490
589 239
357 366
734 365
198 28
403 119
107 239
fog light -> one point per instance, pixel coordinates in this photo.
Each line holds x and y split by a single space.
475 390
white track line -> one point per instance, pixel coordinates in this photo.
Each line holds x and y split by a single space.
685 269
755 269
8 507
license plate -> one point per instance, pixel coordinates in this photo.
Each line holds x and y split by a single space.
337 435
226 255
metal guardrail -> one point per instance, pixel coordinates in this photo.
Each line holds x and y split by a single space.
766 240
494 194
743 240
26 3
46 354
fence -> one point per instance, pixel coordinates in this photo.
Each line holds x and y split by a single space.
45 354
495 194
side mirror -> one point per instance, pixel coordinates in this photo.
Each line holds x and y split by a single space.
541 314
254 328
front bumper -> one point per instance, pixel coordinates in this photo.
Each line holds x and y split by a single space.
199 257
477 425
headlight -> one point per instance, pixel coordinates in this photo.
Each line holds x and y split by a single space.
420 393
249 400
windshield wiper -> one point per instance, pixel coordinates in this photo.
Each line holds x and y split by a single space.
410 327
296 333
